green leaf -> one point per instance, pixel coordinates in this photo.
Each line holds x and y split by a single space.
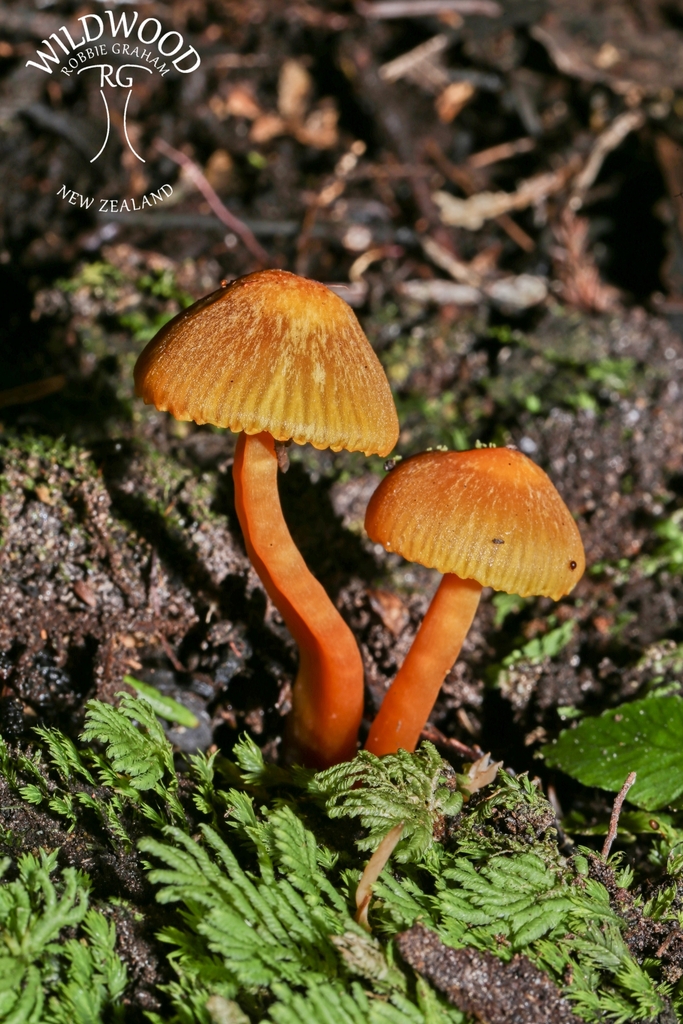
548 645
644 737
165 707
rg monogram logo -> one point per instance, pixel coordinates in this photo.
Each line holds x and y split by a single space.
107 72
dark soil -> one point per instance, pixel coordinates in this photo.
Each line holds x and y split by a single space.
481 985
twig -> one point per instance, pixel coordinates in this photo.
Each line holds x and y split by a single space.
412 61
434 735
443 293
366 259
420 8
154 222
171 655
373 869
565 842
354 294
31 392
196 176
473 212
461 177
391 171
616 811
458 270
492 155
198 222
607 141
675 933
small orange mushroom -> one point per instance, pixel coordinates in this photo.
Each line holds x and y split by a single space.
281 358
485 518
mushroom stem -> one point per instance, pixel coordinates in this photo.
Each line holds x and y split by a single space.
412 695
328 692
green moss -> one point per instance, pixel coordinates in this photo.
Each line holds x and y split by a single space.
506 604
162 283
32 457
566 363
257 876
668 553
142 326
100 277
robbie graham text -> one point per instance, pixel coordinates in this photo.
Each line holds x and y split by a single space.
128 205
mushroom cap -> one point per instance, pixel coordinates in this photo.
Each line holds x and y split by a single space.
490 515
272 352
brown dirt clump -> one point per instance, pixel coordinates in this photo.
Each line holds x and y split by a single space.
482 985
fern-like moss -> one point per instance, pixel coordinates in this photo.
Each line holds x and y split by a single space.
46 978
256 867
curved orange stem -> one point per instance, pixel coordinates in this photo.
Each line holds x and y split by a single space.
328 692
412 695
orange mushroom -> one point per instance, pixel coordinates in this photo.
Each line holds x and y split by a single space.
485 518
281 358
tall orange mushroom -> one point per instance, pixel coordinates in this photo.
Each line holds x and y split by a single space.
281 358
485 518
